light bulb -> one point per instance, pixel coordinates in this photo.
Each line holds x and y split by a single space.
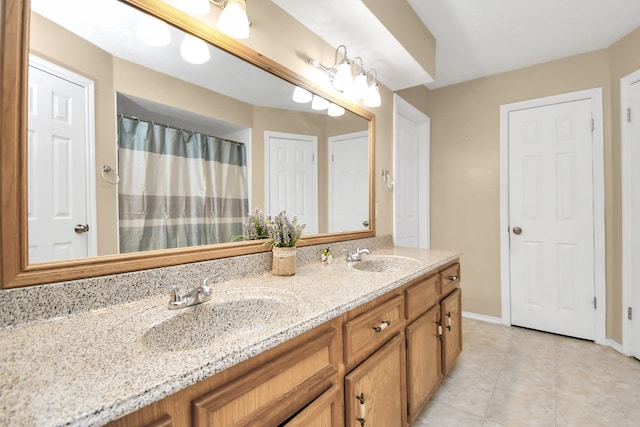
233 20
343 79
194 50
152 31
335 110
372 97
319 103
360 86
301 96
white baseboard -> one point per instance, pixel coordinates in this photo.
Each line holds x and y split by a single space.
616 346
490 319
481 317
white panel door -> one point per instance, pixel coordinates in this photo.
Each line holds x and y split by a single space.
551 218
292 178
349 182
412 182
633 227
57 187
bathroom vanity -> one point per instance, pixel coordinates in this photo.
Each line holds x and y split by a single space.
354 344
375 365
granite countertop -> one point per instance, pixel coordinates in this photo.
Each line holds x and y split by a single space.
95 367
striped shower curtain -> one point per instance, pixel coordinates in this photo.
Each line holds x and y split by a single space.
178 188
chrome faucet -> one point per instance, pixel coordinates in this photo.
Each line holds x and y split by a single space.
355 256
195 296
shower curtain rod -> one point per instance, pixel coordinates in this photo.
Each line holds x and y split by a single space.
126 116
174 127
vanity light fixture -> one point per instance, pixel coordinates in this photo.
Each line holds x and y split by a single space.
319 103
335 110
372 96
339 73
360 85
152 31
194 50
301 95
341 78
233 20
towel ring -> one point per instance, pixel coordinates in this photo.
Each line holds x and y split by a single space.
107 168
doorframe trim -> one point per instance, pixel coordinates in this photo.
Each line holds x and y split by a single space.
402 106
595 95
625 168
88 87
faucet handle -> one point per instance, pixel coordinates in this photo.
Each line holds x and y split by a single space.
205 286
174 294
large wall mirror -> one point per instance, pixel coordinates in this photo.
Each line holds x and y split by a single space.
130 150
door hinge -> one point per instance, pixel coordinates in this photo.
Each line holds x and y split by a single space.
333 159
629 115
313 157
593 125
595 303
630 313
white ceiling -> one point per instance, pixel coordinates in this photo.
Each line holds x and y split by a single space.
474 38
351 23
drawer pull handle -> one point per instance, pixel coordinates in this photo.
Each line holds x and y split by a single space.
452 278
382 326
361 409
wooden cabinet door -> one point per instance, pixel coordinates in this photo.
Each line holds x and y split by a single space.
326 411
424 360
451 317
273 392
375 390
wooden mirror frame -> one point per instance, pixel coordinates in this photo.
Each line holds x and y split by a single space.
15 270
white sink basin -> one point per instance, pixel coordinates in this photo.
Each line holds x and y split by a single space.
385 263
202 325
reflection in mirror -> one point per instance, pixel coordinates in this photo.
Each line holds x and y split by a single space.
138 142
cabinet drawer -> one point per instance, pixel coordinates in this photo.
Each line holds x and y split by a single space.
367 332
422 296
273 392
450 279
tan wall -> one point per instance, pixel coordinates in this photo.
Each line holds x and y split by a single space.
407 27
465 164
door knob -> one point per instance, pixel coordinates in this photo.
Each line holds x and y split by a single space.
517 230
81 228
365 223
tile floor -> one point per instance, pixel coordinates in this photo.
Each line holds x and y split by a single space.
518 377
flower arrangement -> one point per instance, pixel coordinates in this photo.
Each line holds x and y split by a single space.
255 227
284 233
281 232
